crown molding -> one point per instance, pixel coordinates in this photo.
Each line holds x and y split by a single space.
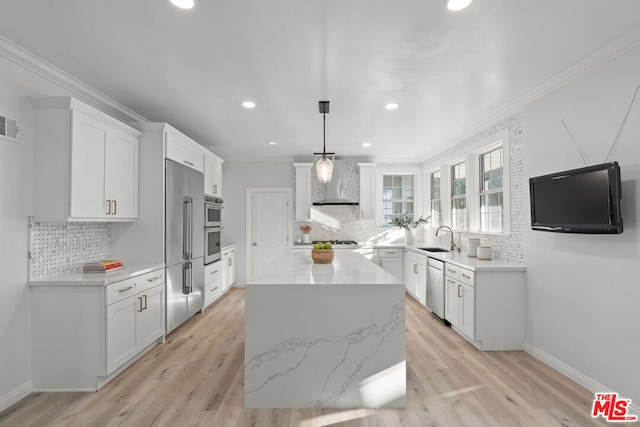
76 88
590 62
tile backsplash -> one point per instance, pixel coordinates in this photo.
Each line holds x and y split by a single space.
64 247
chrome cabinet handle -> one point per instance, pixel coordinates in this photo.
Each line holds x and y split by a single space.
466 276
108 207
153 278
125 289
459 289
214 289
254 244
144 297
115 207
415 268
189 163
450 270
139 304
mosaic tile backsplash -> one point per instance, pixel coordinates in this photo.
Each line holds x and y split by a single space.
63 247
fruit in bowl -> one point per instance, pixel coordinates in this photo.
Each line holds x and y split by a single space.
322 253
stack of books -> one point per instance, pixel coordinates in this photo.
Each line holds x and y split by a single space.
102 266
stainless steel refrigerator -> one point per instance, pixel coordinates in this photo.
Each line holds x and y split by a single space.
184 242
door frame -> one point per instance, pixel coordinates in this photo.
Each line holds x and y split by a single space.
249 192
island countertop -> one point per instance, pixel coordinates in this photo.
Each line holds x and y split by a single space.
348 268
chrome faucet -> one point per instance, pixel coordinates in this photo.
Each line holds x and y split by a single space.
453 245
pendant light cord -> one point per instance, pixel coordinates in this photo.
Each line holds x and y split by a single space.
324 135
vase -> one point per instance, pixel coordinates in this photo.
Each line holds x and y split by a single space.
410 237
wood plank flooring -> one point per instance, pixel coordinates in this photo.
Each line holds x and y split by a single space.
196 379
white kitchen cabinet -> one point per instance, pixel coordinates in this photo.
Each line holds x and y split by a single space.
84 334
415 275
228 266
303 191
86 164
212 174
390 259
134 323
184 150
367 190
213 288
460 299
486 306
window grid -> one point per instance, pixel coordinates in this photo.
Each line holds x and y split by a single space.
458 196
397 197
436 206
491 191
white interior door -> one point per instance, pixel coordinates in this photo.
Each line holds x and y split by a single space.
268 227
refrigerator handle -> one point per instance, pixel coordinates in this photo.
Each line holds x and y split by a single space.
186 228
190 278
186 281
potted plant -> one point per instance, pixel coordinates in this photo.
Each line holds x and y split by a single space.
409 225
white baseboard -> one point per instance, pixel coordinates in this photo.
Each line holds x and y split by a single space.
15 395
577 376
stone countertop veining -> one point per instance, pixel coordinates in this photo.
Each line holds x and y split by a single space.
348 268
79 278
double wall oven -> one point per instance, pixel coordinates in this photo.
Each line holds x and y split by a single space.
212 229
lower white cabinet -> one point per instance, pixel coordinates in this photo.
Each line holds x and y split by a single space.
212 282
84 333
414 275
390 259
486 306
133 324
228 266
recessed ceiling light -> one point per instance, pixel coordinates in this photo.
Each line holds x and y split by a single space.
183 4
249 104
457 4
273 143
366 144
391 106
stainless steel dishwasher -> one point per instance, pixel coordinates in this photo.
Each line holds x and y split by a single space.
435 287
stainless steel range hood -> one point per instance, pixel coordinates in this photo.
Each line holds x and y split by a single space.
336 187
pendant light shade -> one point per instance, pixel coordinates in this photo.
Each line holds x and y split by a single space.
455 5
324 165
324 169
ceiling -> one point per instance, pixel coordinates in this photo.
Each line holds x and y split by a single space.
447 71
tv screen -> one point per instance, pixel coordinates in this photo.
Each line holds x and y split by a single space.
585 200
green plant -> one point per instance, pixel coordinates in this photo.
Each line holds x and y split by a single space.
408 223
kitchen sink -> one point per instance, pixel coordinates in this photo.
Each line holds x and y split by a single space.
435 249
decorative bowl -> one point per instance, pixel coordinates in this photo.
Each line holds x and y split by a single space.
322 256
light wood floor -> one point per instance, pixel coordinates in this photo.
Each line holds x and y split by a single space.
196 379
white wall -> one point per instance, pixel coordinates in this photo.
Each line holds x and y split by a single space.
16 172
584 290
236 177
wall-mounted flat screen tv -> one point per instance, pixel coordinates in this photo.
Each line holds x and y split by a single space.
585 200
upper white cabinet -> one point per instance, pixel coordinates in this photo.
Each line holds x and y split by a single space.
212 174
303 191
367 190
184 150
86 164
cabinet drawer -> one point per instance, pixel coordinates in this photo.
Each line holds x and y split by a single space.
467 276
213 290
227 252
125 288
212 272
452 271
416 258
390 253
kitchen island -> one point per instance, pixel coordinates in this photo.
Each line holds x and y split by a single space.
324 335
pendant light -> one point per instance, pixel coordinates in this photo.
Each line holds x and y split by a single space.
324 165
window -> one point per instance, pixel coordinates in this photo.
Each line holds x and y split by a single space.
458 197
436 207
491 191
397 197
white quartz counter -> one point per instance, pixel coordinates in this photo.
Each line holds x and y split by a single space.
79 278
348 268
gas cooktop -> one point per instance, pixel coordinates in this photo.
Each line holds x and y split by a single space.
338 242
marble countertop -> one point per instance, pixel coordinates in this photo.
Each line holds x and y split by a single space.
79 278
348 268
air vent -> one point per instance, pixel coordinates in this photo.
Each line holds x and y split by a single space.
8 129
